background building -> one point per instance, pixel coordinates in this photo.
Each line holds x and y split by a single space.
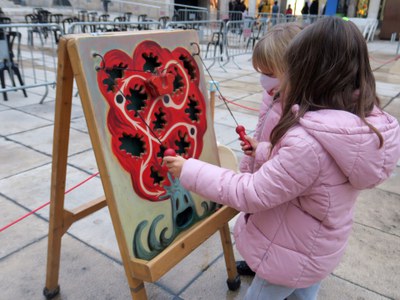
386 11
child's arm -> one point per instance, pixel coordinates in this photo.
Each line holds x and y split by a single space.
249 150
174 164
283 178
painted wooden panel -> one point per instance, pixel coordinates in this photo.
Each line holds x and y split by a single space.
144 92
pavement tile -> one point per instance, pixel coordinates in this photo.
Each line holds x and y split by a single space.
372 261
47 108
379 209
232 94
97 231
248 107
32 189
3 107
392 183
80 124
255 99
16 99
392 107
41 139
249 79
85 161
76 100
217 74
226 134
21 234
333 288
223 116
382 48
385 75
185 272
236 72
26 280
235 146
27 189
387 89
211 284
13 121
234 84
23 159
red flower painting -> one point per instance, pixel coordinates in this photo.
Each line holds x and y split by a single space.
155 103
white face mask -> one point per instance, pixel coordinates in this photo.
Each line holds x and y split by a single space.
270 84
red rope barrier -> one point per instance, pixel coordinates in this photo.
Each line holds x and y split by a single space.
90 177
254 109
385 62
47 203
237 104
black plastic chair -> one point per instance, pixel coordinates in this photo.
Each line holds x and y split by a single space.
163 22
217 40
37 9
120 27
56 18
92 18
142 18
7 62
33 19
128 16
44 18
5 20
67 21
103 27
83 16
256 33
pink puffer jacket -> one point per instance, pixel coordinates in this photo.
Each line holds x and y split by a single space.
298 207
270 113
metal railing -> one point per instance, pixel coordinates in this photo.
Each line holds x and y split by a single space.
211 38
241 36
98 27
192 15
30 62
34 54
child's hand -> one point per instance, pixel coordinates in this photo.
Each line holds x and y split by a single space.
174 164
251 151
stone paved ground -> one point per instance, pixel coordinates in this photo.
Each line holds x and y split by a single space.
91 265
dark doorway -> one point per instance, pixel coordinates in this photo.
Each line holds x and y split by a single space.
391 20
61 3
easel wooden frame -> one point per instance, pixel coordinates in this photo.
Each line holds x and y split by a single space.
137 271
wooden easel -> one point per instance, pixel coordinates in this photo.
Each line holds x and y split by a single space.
137 271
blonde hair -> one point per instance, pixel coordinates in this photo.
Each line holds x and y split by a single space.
268 52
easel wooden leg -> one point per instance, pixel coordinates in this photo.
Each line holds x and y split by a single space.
212 87
233 280
59 170
212 104
138 290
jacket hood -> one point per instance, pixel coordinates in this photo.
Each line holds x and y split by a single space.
354 146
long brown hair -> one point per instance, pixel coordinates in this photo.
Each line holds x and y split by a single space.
327 67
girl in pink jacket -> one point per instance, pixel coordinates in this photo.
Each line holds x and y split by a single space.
268 61
331 142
